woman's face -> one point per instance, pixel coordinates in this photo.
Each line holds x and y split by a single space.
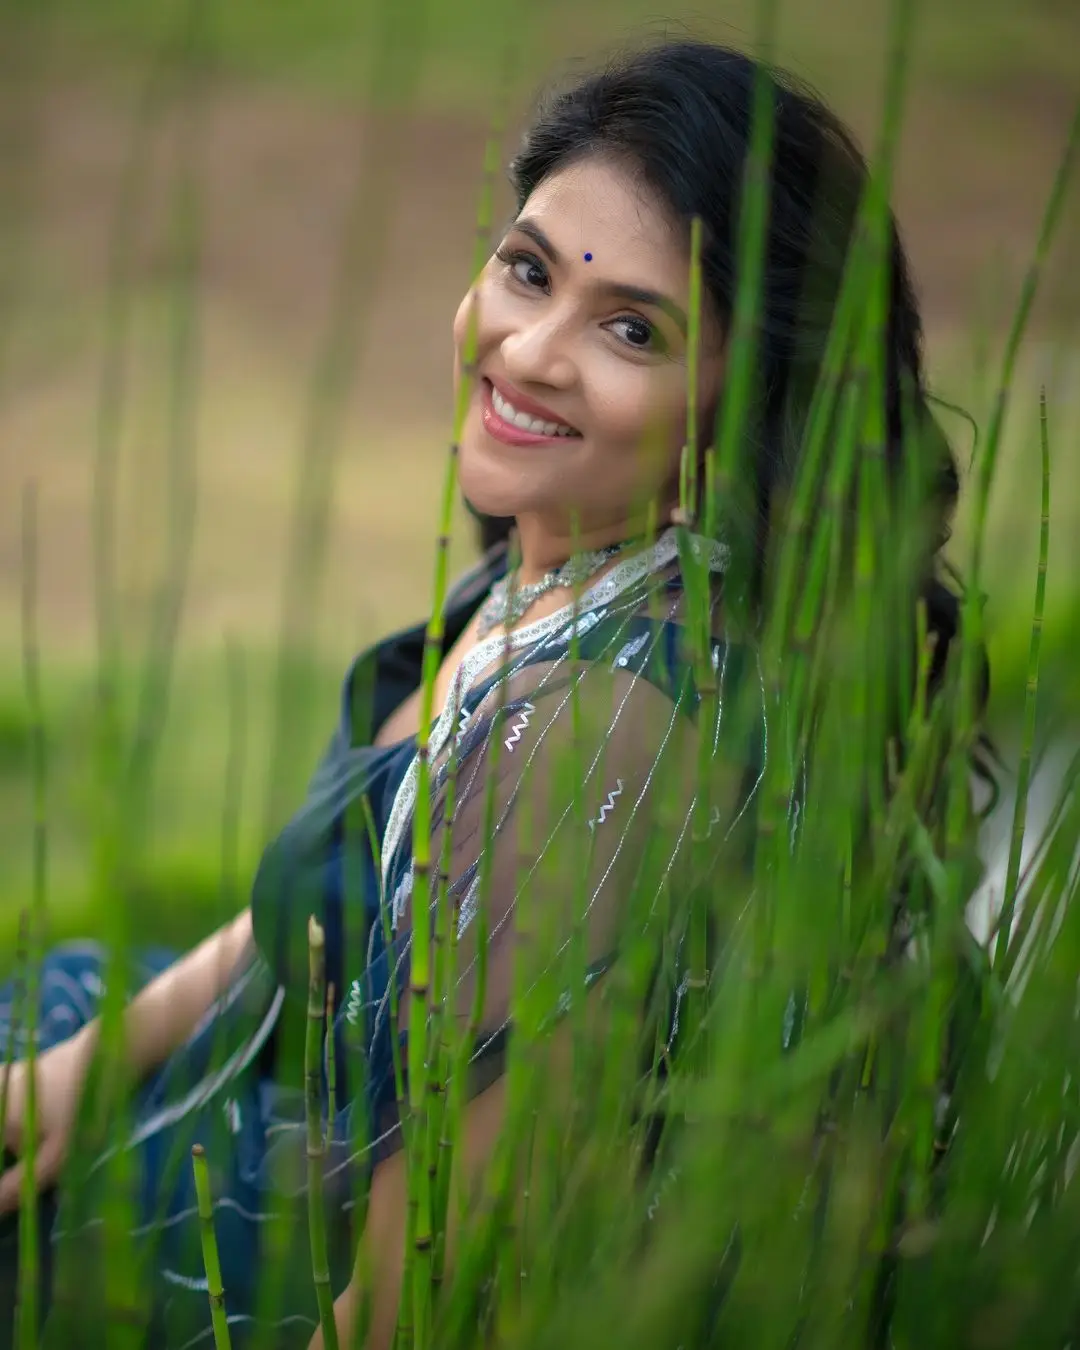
579 405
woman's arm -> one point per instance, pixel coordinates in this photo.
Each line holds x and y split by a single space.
158 1020
384 1236
165 1013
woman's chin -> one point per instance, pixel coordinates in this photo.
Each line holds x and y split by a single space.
495 504
491 488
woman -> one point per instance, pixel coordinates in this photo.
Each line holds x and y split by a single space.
576 423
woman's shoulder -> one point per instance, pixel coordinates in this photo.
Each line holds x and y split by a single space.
650 641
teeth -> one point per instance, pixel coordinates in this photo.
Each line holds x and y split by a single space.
510 414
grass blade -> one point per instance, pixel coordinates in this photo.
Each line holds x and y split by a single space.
1005 952
316 1137
28 1308
211 1260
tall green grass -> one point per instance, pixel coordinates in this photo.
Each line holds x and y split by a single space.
864 1142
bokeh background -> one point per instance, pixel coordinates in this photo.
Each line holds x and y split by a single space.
232 238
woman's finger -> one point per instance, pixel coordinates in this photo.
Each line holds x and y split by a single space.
47 1161
10 1188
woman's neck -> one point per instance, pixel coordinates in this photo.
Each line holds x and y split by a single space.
543 549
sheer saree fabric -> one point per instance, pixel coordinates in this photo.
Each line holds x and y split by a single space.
563 791
563 786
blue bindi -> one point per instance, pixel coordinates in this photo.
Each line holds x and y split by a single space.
588 257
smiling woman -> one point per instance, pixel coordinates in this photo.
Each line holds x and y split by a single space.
575 435
606 346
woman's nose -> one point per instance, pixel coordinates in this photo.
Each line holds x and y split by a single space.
539 353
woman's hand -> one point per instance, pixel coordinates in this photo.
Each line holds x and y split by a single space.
61 1072
157 1021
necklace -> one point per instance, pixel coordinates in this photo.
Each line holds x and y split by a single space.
503 608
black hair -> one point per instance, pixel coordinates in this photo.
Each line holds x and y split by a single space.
680 115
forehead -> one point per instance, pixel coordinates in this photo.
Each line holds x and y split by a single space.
600 207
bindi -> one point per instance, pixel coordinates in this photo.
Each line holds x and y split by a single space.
588 257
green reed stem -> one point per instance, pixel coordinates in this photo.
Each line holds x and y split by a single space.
316 1139
693 371
183 405
872 527
394 62
532 990
235 760
109 845
1029 290
835 365
732 432
698 590
817 603
1004 955
420 974
118 809
28 1309
388 942
422 1064
177 1156
853 355
439 1141
359 1133
1049 867
467 1043
112 379
570 784
211 1260
189 58
22 958
331 1064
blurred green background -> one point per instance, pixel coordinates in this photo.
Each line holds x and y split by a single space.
335 135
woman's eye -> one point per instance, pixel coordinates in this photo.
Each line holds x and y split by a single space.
636 332
530 271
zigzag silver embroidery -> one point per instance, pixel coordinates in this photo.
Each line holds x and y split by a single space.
609 805
631 649
352 1007
463 722
518 727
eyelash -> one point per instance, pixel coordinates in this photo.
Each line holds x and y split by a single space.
510 257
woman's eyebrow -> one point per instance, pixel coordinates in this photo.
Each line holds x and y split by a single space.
638 295
537 235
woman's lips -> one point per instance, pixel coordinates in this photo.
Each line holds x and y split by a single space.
507 432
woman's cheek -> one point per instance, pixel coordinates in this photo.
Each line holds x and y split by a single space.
652 418
660 436
461 322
